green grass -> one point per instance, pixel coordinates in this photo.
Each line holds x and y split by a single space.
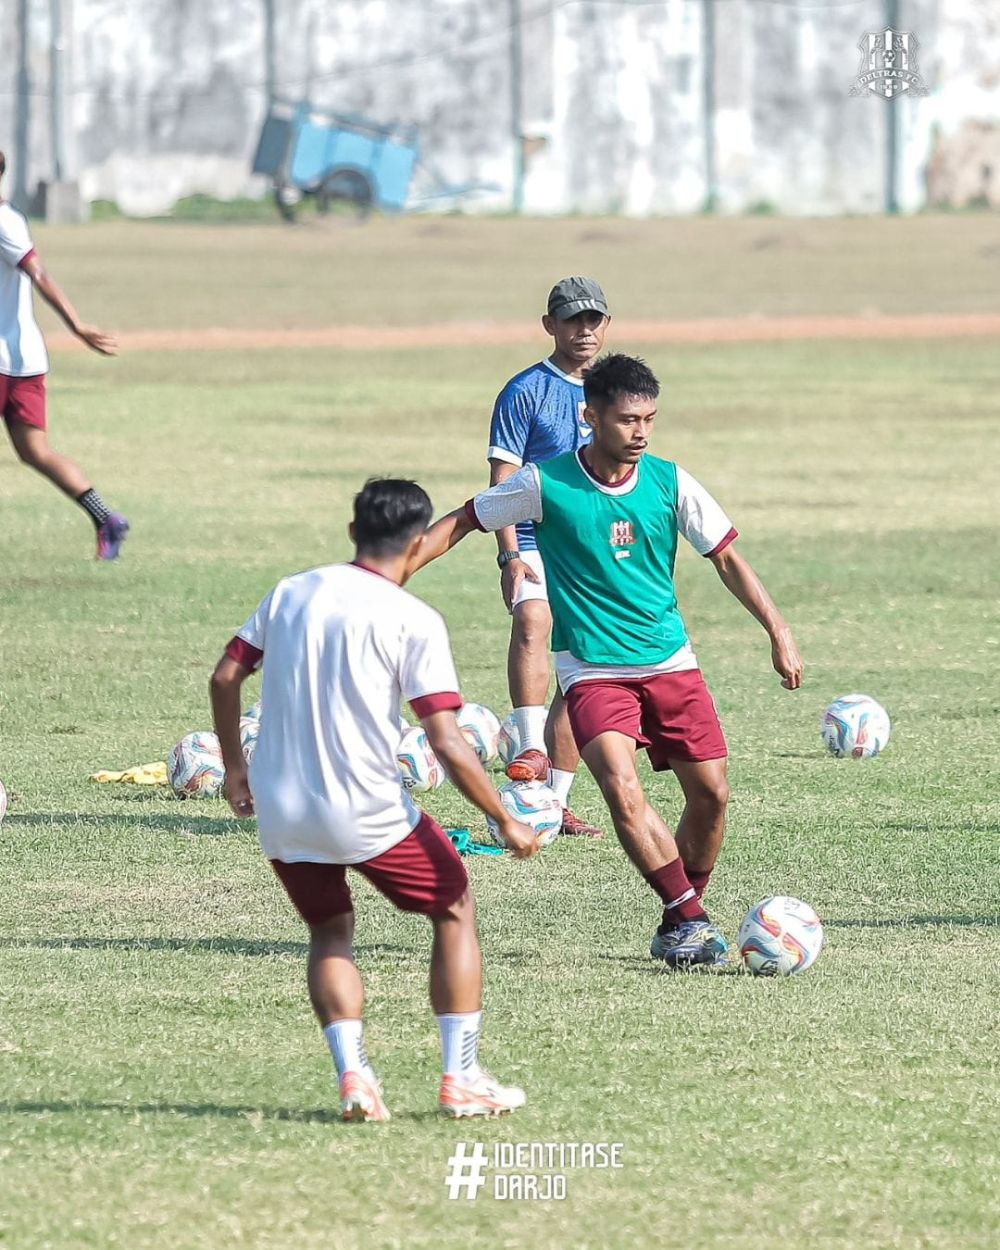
162 1084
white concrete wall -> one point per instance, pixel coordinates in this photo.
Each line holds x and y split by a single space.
168 96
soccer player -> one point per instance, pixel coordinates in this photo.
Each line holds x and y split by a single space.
539 415
24 363
608 518
340 646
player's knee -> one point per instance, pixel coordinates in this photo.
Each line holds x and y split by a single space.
462 911
532 625
31 456
623 795
712 795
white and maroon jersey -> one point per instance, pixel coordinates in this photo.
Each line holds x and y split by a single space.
340 647
699 518
22 348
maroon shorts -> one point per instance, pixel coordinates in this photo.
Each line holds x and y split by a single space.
672 715
423 873
23 399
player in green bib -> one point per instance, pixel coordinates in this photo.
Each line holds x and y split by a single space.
607 519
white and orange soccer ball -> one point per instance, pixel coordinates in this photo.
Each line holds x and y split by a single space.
419 768
194 767
249 731
481 730
855 727
534 804
780 936
508 740
3 802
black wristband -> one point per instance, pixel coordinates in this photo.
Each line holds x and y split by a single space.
505 557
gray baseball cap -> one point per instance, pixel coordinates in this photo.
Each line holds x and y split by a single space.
576 295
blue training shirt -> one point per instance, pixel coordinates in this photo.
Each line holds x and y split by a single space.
538 415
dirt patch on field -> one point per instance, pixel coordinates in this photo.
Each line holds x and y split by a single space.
486 334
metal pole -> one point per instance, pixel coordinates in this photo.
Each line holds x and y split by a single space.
517 105
57 87
708 103
892 120
270 54
22 122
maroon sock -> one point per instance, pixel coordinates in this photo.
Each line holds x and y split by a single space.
699 880
680 902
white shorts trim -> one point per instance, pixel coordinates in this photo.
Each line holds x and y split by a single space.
528 591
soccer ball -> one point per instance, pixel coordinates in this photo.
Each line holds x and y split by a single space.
534 804
249 729
481 730
855 725
195 768
3 802
419 768
508 740
780 936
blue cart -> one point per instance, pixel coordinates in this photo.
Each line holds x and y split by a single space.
339 156
334 156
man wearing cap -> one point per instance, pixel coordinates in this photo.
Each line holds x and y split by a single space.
539 415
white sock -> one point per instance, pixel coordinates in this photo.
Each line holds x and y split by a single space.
530 725
560 780
347 1045
460 1043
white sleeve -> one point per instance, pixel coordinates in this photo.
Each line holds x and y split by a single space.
254 629
426 664
519 498
15 240
699 517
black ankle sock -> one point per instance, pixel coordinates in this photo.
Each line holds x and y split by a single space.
94 506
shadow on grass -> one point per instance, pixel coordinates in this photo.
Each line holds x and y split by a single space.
185 821
906 922
212 946
657 968
319 1115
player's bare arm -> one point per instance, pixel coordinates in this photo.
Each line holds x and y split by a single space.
513 572
465 771
439 539
740 580
224 689
55 297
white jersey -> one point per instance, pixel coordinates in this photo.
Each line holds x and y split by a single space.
341 646
22 347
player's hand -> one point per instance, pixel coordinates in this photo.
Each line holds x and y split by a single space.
521 840
786 659
511 576
96 339
238 793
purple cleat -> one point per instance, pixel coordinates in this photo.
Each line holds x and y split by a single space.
110 537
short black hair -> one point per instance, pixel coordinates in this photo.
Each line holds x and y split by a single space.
616 375
388 514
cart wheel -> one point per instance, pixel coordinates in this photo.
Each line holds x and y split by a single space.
288 199
350 186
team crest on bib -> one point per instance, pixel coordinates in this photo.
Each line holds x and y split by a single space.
622 534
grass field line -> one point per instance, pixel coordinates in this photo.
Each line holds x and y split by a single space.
485 333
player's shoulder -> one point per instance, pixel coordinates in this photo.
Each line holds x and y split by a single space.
660 466
12 218
527 382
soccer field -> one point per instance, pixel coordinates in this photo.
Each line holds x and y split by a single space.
163 1085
